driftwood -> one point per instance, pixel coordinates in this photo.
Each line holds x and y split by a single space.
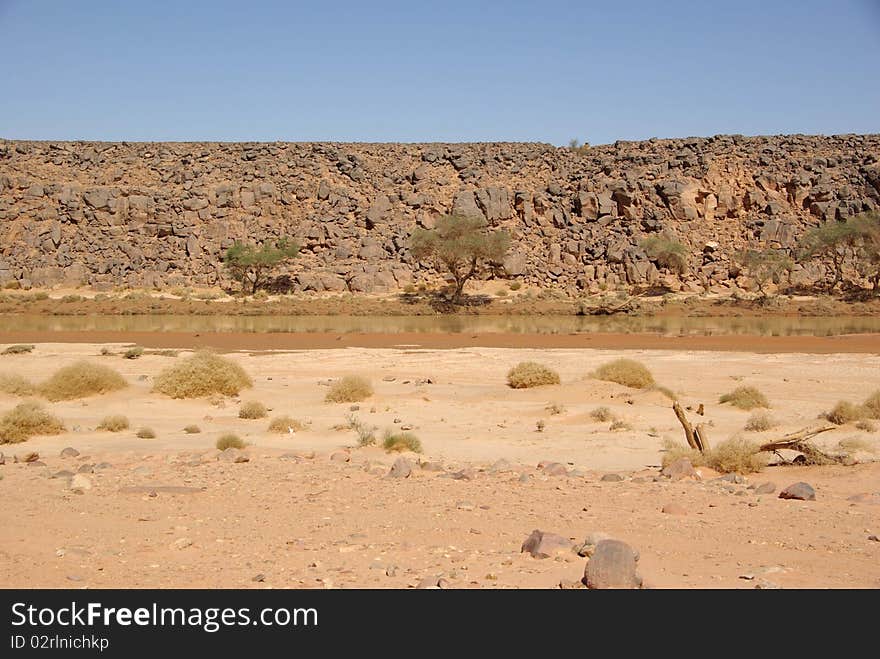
797 441
610 310
696 437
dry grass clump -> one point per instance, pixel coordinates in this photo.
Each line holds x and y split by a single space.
80 380
845 412
733 455
737 455
745 398
18 349
145 433
285 424
252 410
401 441
133 353
16 385
366 433
192 429
555 408
114 423
350 389
26 420
229 440
531 374
760 422
627 372
867 425
872 405
619 424
202 374
601 414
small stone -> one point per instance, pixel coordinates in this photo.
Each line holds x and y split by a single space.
611 478
29 457
340 456
555 469
36 463
799 492
465 505
765 488
402 468
612 565
501 466
181 543
232 455
354 408
464 475
86 468
541 544
80 482
391 571
873 538
428 582
259 578
69 452
64 473
674 509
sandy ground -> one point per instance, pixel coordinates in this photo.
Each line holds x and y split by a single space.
293 517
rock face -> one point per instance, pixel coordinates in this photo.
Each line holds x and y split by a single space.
154 214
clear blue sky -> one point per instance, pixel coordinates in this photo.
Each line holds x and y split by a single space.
444 70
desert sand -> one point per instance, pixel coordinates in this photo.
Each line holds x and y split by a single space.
293 516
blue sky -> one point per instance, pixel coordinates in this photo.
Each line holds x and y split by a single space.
415 71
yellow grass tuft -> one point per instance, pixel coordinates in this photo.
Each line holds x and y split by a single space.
601 414
80 380
16 385
733 455
229 440
192 429
745 398
252 410
531 374
145 433
401 441
872 405
627 372
673 450
114 423
18 349
202 374
26 420
845 412
350 389
284 424
760 422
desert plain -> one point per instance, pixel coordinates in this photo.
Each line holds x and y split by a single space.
313 509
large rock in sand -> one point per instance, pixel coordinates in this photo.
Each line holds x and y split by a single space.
612 565
544 545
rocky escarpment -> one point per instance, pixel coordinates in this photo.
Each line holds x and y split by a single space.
161 214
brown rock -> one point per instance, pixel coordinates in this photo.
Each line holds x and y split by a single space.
612 565
678 469
541 544
402 468
799 492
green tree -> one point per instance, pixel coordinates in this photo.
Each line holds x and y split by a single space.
667 253
765 266
866 243
828 240
857 239
250 264
461 245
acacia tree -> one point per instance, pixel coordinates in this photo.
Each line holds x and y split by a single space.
667 253
461 245
765 266
858 238
250 264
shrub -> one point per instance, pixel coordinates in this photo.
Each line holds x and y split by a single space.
601 414
401 441
26 420
202 374
350 389
133 353
866 425
667 253
80 380
229 440
515 285
114 423
745 398
16 385
531 374
250 265
192 429
736 455
872 405
284 424
844 412
620 424
673 450
146 433
18 349
366 434
555 408
627 372
540 424
759 422
252 410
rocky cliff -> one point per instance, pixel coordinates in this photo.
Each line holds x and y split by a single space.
161 214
